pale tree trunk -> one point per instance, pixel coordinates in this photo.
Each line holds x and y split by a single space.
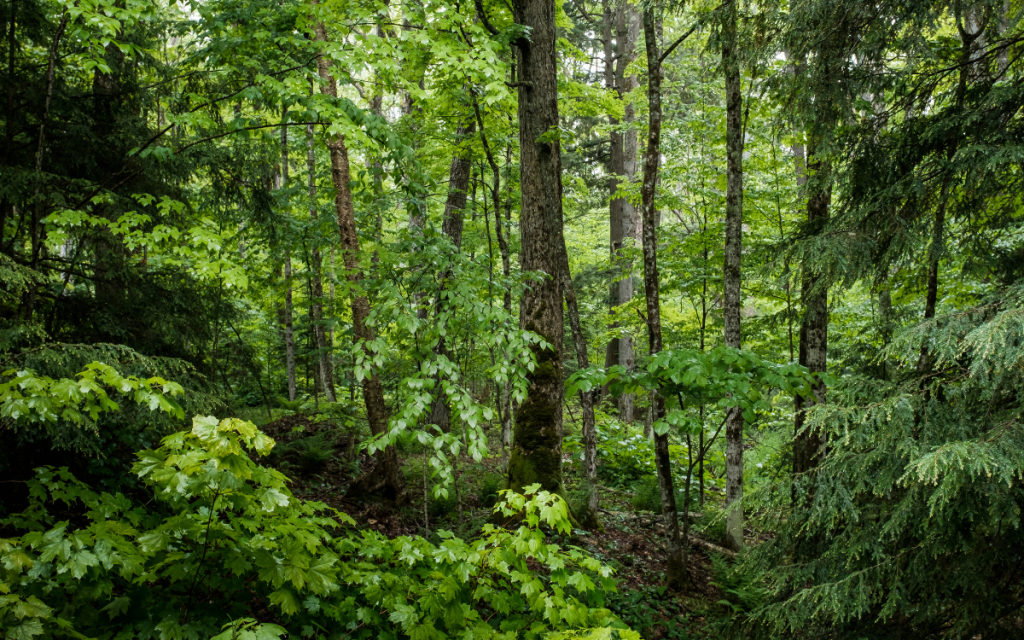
676 574
324 350
388 474
536 455
732 268
622 165
451 226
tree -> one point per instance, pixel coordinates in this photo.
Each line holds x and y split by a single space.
676 575
389 477
536 455
732 301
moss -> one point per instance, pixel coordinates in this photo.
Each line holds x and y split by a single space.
537 448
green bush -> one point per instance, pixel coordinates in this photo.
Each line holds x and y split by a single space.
222 542
647 496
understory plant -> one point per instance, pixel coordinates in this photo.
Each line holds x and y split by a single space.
221 546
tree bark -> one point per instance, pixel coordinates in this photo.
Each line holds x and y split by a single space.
387 477
324 349
809 446
451 226
676 574
732 304
622 166
589 518
536 453
289 332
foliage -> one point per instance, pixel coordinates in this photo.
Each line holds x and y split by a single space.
226 543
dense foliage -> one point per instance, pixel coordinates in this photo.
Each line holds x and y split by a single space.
758 268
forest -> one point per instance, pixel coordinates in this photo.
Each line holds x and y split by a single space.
539 319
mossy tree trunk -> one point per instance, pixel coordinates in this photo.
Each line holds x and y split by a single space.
536 456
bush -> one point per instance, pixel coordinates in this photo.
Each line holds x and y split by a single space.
223 543
647 496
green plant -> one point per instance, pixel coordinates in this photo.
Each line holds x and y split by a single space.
741 588
646 496
308 455
489 489
224 543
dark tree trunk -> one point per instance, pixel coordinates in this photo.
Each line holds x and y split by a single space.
323 348
676 573
388 474
536 455
451 226
732 304
588 519
809 446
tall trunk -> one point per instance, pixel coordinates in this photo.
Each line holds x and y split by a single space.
732 267
289 332
451 226
536 455
677 574
588 519
323 348
809 446
388 476
622 165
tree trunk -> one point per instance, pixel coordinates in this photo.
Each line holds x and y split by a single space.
289 333
451 226
622 165
316 264
732 268
809 446
536 455
589 518
388 474
676 574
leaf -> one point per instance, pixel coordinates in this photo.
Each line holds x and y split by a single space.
285 599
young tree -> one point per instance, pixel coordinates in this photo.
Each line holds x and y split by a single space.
389 476
732 302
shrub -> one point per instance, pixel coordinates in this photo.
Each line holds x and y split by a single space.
224 543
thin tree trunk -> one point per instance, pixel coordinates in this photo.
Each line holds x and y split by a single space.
623 163
324 350
732 268
388 474
537 446
451 226
588 519
809 446
289 333
676 574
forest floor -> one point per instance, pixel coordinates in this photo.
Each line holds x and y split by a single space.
322 461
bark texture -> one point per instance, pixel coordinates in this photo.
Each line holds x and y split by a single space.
732 271
624 22
536 453
316 309
387 477
588 518
809 446
676 574
451 226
